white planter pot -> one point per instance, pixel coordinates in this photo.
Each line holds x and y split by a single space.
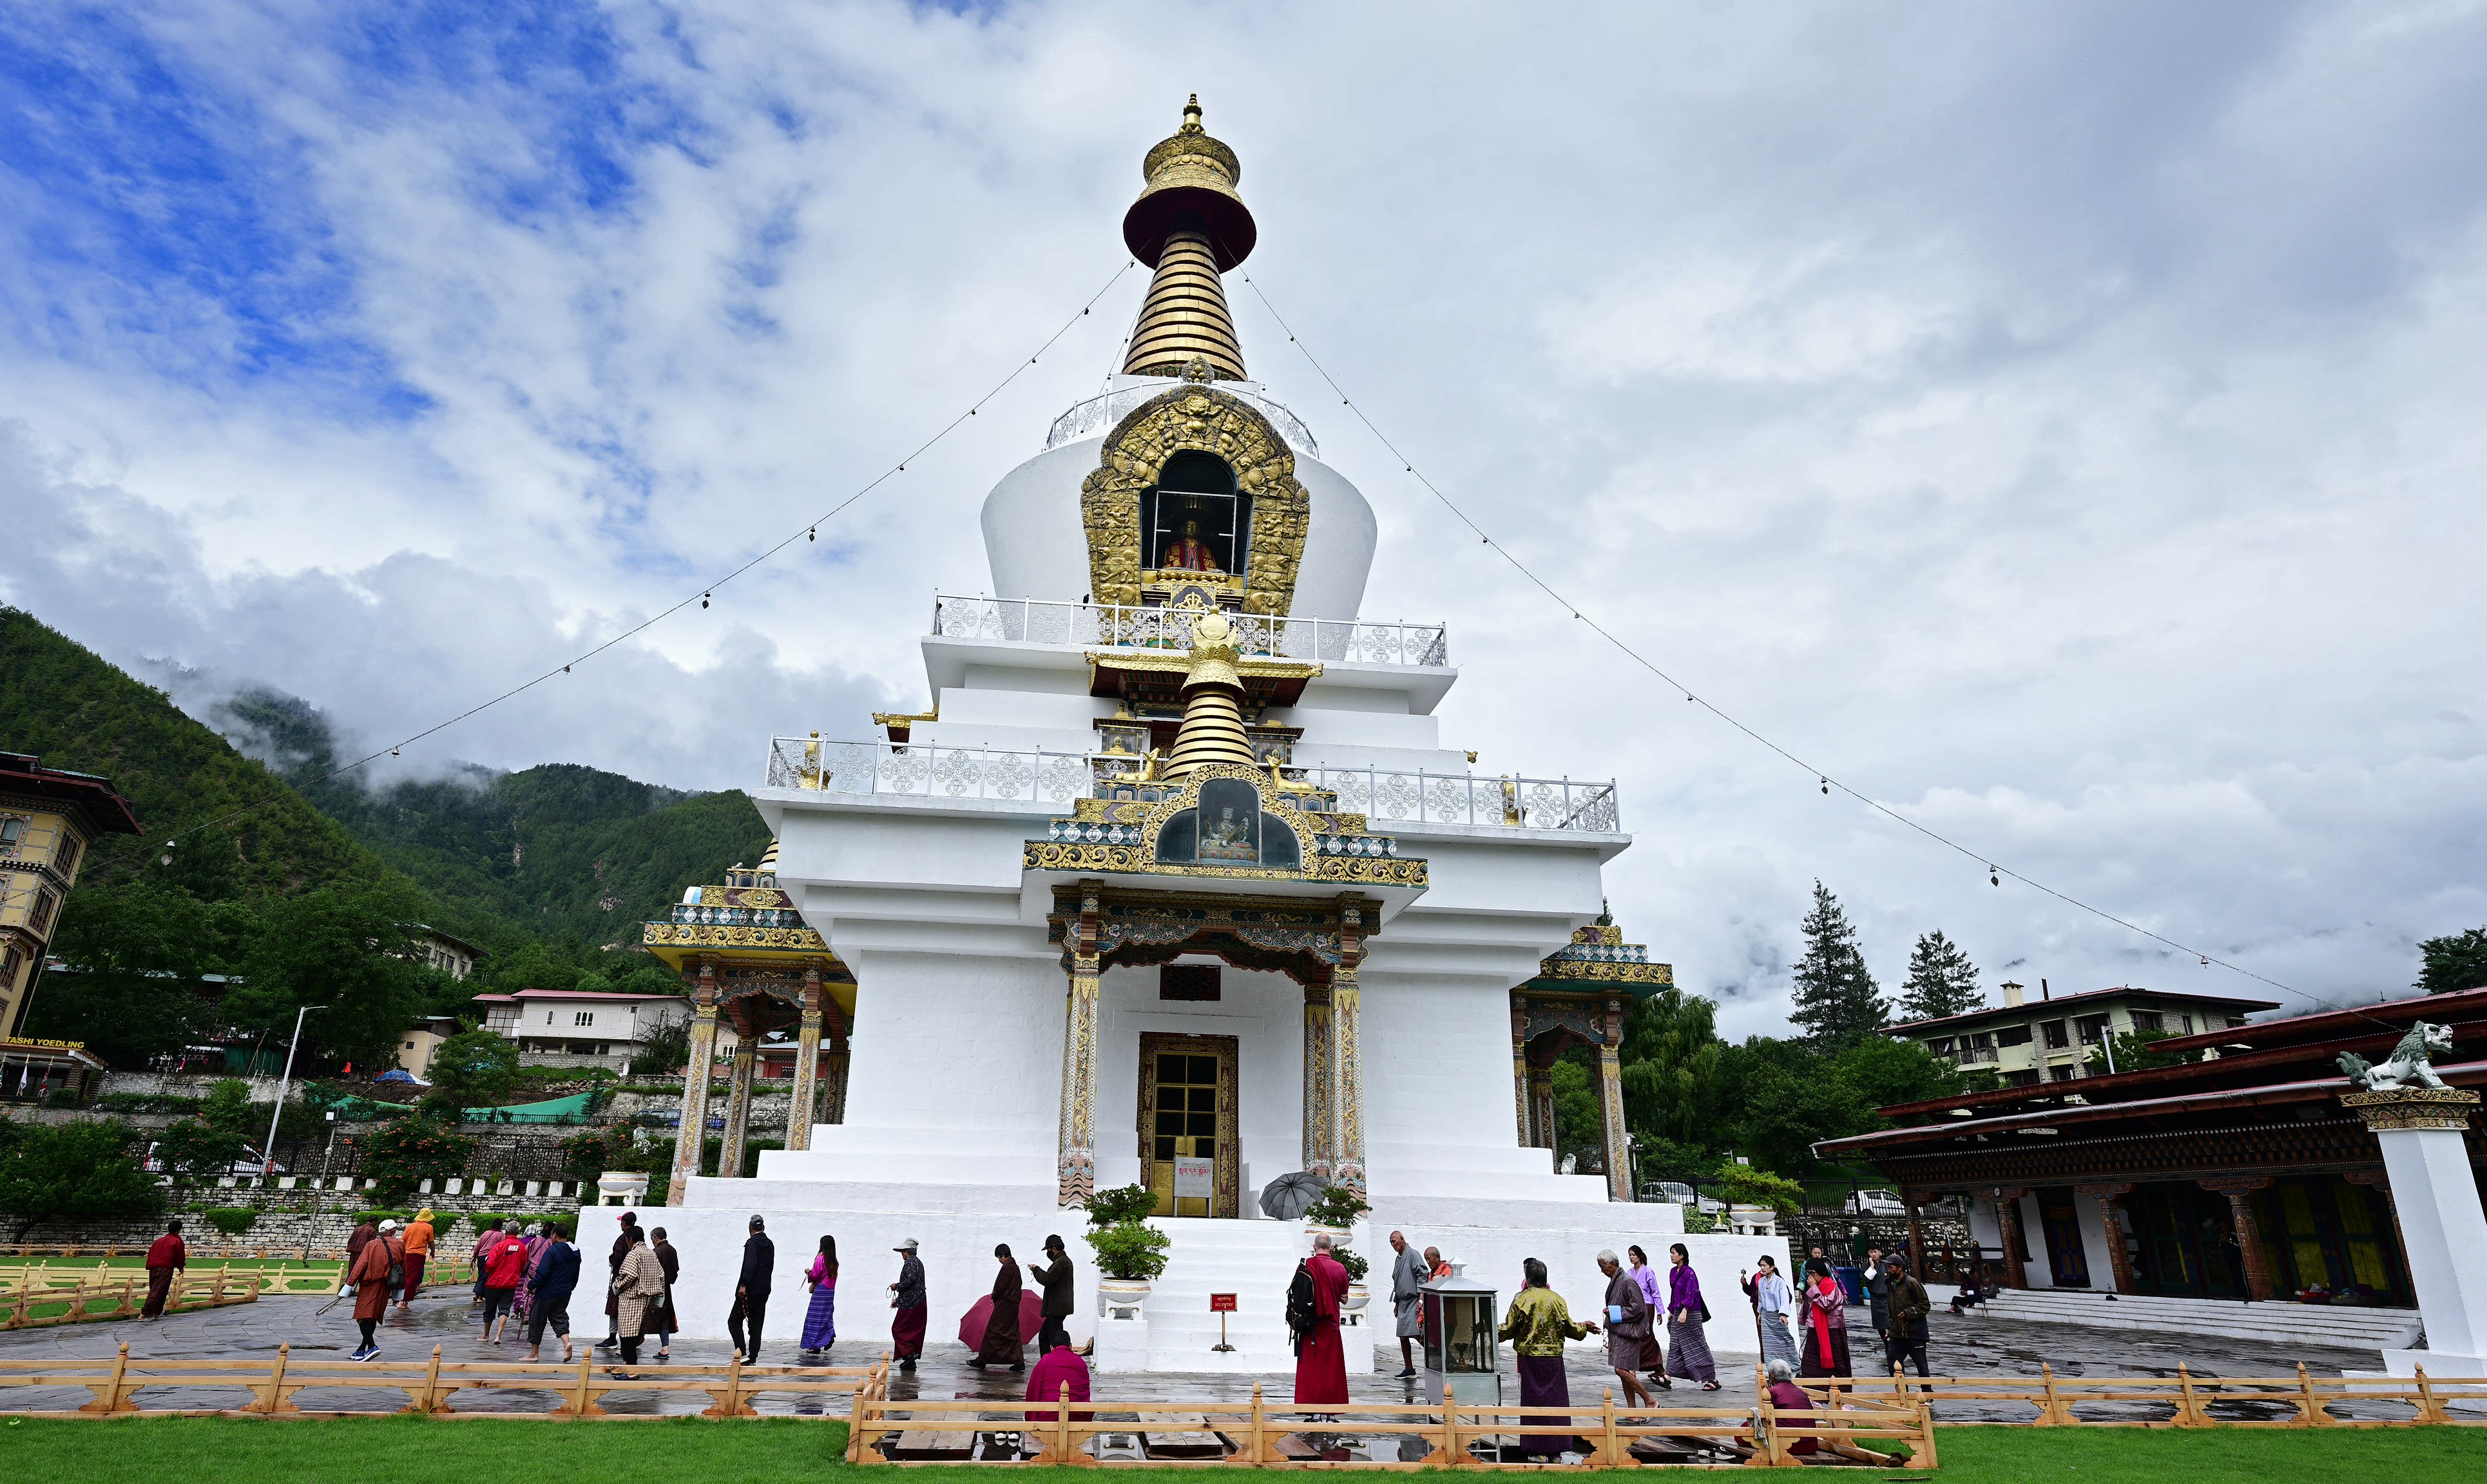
1357 1298
621 1188
1121 1300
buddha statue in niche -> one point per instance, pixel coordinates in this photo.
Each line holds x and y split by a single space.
1189 553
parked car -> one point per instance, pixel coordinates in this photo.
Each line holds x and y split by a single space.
1873 1203
1675 1193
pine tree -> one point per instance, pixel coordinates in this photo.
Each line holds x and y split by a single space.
1941 981
1837 1001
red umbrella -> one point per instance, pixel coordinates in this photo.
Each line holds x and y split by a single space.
1031 1315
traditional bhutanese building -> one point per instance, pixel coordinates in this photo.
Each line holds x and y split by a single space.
2249 1173
49 818
1175 882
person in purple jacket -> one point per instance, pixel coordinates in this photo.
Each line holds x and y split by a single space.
1688 1345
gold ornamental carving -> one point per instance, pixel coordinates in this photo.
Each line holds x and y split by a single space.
2413 1107
1203 418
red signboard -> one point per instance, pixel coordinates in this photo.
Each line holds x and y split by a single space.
1221 1304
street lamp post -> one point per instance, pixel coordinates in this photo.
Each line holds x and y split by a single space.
267 1165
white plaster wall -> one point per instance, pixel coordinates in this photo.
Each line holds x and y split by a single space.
1263 1011
1038 546
1439 1115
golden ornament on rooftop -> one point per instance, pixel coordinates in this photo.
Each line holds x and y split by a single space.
1190 226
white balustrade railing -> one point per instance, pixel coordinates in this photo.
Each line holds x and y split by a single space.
1116 626
1099 413
928 770
1385 796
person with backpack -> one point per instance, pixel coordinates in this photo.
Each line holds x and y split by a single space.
378 1271
1312 1313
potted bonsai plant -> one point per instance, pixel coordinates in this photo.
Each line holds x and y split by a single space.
1335 1215
1129 1253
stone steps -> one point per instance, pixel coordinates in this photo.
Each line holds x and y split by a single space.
2343 1327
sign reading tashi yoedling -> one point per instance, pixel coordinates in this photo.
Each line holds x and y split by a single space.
19 1040
1195 1177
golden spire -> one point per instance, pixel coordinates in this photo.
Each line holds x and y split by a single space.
1213 716
1190 226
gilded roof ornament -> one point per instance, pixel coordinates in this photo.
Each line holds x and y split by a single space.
1189 226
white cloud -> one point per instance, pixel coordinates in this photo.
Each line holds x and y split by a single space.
2060 425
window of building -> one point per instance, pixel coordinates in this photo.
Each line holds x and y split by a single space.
1940 1046
2093 1029
2235 1021
2184 1025
13 829
45 904
585 1018
2057 1035
2026 1077
2012 1035
66 858
2147 1020
548 1017
2062 1073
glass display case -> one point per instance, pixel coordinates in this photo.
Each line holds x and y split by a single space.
1460 1318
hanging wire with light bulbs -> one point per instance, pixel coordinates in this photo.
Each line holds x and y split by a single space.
807 532
1994 873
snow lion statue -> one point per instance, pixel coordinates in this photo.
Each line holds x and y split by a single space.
2409 1065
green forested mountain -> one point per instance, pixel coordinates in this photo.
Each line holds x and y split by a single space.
62 701
557 852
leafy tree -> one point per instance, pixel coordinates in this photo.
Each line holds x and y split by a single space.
84 1169
346 947
1745 1186
196 1149
227 1108
1837 1001
472 1069
2133 1053
1882 1072
1941 981
2453 962
135 952
403 1152
1671 1055
666 1048
1578 1131
536 966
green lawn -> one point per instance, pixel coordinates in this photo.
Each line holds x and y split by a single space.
413 1450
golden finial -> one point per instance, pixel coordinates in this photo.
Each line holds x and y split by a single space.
1189 225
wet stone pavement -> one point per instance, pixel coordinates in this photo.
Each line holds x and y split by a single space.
1968 1345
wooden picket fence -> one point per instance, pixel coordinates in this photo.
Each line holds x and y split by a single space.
316 1276
1266 1434
27 1304
428 1384
2302 1401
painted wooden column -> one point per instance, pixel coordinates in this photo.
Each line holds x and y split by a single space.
1346 1035
1320 1121
1519 1069
1076 1137
2008 1222
1541 1105
807 1065
2240 1189
693 1134
2119 1257
833 1096
738 1103
1916 1201
1611 1102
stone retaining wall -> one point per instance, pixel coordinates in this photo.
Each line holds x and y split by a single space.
286 1220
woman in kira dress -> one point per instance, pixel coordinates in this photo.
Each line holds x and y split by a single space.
820 1316
1537 1324
1687 1317
1653 1292
1825 1322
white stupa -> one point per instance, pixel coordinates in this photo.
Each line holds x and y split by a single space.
1174 885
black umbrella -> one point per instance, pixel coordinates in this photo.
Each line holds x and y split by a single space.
1290 1196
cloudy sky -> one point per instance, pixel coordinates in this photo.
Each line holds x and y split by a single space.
2050 419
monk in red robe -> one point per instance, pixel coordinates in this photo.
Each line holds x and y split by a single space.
1189 554
168 1256
1321 1361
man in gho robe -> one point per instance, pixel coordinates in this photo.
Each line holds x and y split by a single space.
1189 553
